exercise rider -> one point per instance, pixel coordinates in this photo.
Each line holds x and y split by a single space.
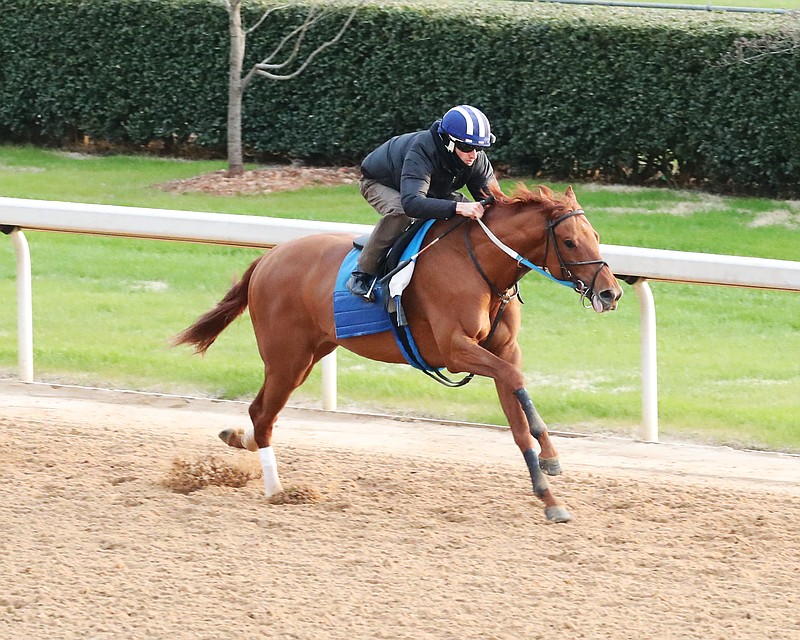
418 175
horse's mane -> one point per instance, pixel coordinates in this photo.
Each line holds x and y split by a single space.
550 202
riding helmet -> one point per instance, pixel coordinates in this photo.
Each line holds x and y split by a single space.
467 124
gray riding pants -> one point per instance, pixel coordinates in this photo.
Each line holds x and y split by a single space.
386 201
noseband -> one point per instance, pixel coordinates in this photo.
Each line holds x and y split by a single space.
579 285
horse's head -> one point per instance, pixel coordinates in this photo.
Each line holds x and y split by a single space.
572 246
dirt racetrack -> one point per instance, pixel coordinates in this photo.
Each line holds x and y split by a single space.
421 531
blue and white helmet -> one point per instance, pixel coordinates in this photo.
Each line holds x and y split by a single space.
468 125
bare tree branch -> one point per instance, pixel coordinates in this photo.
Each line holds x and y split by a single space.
262 18
262 72
313 16
268 67
786 40
248 78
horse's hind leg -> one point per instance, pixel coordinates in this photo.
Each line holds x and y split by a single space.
241 439
279 383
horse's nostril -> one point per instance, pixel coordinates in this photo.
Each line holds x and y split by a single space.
609 296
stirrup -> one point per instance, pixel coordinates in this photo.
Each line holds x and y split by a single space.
362 284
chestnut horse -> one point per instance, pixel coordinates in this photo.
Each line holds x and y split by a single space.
461 307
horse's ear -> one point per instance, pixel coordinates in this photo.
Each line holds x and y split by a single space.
569 194
546 192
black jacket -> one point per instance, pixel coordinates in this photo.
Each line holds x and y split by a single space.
425 173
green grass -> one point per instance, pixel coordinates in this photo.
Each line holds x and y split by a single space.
105 308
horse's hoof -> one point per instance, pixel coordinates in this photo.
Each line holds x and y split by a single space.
551 466
557 513
232 437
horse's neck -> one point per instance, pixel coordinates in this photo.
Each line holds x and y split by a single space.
525 234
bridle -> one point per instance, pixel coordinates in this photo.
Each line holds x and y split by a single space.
569 279
578 284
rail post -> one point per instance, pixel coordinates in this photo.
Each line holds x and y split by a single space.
648 431
328 364
24 302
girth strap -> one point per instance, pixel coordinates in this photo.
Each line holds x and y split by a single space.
409 347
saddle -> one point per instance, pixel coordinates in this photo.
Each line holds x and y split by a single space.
353 315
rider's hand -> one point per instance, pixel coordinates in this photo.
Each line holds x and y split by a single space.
470 210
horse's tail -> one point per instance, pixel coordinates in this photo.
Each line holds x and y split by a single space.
205 330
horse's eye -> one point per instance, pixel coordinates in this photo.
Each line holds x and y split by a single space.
570 244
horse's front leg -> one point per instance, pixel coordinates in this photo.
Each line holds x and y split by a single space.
548 459
554 510
466 355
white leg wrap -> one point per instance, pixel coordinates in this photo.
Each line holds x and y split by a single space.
249 439
269 470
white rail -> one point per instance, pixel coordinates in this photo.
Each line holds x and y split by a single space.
259 232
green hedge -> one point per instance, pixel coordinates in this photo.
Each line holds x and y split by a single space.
573 92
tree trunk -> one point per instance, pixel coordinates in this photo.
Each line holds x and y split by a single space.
235 89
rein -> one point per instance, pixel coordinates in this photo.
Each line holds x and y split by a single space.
570 280
524 261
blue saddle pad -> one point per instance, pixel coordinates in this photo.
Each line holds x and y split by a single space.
353 315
